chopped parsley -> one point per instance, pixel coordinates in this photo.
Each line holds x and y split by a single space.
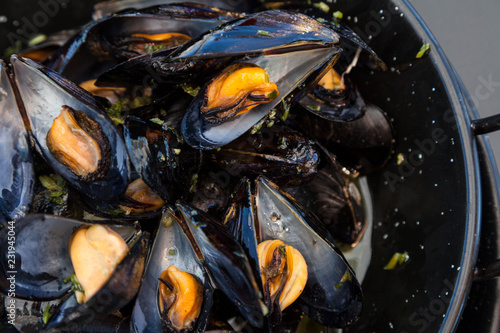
56 187
116 110
286 109
157 121
264 33
397 259
46 315
347 277
75 284
193 91
111 211
423 50
322 6
194 181
338 15
16 48
315 108
150 48
273 94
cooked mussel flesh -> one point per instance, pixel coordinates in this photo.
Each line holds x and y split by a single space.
139 198
95 252
284 271
236 90
78 142
180 298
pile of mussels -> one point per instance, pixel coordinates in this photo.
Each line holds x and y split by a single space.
162 163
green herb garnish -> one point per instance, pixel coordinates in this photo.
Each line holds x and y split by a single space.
115 111
315 108
273 94
397 259
157 121
75 284
257 126
194 181
322 6
267 77
347 277
150 48
56 187
193 91
286 109
16 48
282 251
111 211
46 314
264 33
423 50
338 15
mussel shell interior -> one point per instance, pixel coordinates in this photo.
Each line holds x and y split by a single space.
43 262
171 247
288 71
332 295
17 180
119 290
44 93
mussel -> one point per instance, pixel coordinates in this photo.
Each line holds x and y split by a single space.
17 181
364 145
147 34
276 229
159 306
332 295
335 98
279 152
44 275
164 161
236 90
59 111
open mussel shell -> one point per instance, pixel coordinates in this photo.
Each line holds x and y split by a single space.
161 157
364 145
42 263
337 104
118 291
226 262
280 153
44 93
110 40
17 180
171 247
332 295
287 70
